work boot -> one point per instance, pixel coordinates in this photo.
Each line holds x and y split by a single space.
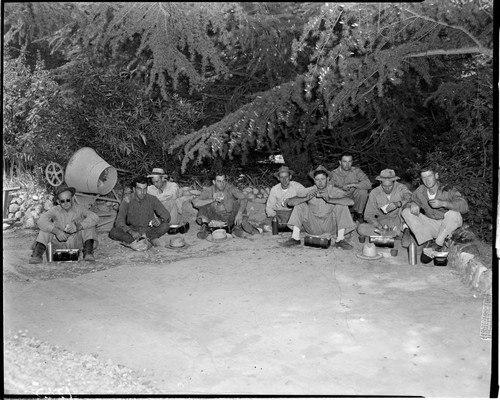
407 238
238 231
342 244
290 242
249 228
88 250
203 233
36 257
427 250
155 242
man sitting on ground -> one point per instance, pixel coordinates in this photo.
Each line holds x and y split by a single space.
66 226
167 192
324 211
140 215
434 212
224 203
384 206
286 189
354 182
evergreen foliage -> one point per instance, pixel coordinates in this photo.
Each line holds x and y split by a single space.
394 83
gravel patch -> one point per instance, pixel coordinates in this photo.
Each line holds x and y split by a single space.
34 367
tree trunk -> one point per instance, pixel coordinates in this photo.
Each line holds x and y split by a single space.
298 158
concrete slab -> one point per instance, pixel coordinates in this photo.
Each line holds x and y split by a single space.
249 317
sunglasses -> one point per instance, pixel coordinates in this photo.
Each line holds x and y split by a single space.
64 201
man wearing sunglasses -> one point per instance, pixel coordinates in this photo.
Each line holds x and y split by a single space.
66 226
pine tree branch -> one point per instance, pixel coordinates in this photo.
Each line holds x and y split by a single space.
463 50
485 51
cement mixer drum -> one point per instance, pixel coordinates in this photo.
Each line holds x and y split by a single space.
87 172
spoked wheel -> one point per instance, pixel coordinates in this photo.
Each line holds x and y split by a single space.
54 174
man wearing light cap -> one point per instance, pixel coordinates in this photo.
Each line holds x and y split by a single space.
384 206
167 192
284 190
323 211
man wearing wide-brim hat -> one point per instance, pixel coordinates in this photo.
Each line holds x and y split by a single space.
323 211
384 205
67 226
279 193
167 192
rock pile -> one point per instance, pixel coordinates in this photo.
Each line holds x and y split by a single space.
25 207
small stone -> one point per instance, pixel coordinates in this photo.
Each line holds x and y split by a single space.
35 197
29 223
48 205
14 207
18 215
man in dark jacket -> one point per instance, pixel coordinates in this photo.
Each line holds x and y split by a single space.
140 214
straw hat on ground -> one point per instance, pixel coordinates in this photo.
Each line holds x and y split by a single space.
369 252
177 243
219 235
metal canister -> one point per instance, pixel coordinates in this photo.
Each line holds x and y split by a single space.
275 225
412 254
48 252
315 241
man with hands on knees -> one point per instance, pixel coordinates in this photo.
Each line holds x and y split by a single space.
67 226
323 211
434 212
354 182
140 215
224 203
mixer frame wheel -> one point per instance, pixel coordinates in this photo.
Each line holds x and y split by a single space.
54 174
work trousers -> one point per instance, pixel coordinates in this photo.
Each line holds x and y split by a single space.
305 220
151 232
209 213
75 240
425 228
360 197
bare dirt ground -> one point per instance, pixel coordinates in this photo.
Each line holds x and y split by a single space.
240 317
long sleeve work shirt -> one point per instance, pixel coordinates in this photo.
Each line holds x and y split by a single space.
421 198
231 195
277 195
378 198
339 178
135 213
59 218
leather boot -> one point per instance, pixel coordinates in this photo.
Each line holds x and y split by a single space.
36 257
203 233
88 250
